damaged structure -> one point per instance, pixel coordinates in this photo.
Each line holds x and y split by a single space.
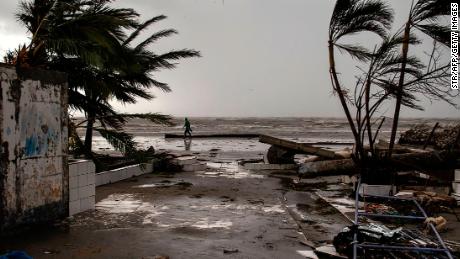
34 171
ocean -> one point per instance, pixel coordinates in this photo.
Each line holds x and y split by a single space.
308 130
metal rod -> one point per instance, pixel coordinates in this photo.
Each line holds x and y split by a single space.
389 197
425 216
413 248
356 223
433 228
391 216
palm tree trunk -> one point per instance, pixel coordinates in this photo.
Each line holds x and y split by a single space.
368 115
399 93
89 134
343 101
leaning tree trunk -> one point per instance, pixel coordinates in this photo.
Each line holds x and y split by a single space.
400 90
368 113
343 101
89 134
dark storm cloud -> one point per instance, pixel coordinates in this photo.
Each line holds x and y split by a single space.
260 57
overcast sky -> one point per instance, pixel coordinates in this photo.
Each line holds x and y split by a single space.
259 57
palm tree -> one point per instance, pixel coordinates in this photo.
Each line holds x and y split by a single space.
423 16
90 30
350 17
128 80
89 41
382 72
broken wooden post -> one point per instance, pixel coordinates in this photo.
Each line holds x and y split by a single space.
431 135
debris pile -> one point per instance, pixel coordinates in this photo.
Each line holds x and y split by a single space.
377 235
444 137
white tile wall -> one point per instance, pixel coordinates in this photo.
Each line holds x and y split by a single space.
82 186
120 174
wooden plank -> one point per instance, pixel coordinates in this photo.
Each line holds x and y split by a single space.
294 146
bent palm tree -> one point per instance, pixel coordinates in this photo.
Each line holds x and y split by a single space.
351 17
129 80
89 41
424 16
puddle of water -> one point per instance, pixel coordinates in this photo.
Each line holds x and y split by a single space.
233 175
127 203
205 224
276 208
161 184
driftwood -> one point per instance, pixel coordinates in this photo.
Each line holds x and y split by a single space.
327 167
297 148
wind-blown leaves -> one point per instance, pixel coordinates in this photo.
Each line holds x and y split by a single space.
355 51
156 118
120 140
142 27
440 33
354 16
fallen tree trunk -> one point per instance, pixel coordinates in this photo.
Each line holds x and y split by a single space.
297 147
327 167
430 162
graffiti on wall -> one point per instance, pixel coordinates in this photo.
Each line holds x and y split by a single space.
40 129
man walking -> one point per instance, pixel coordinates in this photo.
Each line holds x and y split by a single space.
188 129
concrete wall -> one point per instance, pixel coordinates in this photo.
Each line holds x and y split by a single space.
82 186
33 122
123 173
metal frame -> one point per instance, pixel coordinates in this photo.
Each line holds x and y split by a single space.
356 223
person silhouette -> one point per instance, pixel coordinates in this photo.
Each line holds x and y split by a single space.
188 128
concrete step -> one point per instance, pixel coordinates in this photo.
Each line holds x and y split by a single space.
194 167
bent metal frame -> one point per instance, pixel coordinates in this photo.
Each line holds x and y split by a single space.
356 245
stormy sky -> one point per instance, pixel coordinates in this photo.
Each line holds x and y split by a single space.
259 57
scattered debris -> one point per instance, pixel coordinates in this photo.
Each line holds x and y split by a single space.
230 250
439 223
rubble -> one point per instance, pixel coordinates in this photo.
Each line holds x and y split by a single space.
444 137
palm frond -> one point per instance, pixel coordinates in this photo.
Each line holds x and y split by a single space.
430 10
156 36
142 27
156 118
119 140
440 33
355 51
354 16
163 60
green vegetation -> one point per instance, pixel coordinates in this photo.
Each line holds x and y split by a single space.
94 43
